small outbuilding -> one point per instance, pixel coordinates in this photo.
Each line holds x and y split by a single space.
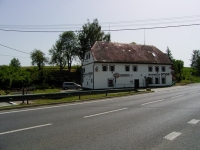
118 65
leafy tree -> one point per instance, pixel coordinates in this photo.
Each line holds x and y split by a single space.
38 58
178 66
5 77
58 56
90 33
15 62
11 77
69 46
195 61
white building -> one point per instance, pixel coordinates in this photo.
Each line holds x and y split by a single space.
117 65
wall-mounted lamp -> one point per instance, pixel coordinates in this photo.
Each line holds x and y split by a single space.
96 69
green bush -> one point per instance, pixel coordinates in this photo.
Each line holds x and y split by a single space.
2 92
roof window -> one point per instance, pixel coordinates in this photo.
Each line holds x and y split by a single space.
153 54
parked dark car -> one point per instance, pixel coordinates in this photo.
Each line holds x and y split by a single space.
70 85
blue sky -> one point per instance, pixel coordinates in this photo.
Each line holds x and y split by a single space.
118 14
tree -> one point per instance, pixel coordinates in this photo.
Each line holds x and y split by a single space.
169 54
178 66
90 33
38 58
15 62
69 46
133 43
58 56
195 61
11 77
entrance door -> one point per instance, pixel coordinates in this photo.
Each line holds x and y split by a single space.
136 83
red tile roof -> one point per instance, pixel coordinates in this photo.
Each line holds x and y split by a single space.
128 53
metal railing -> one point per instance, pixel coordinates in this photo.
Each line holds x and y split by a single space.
12 98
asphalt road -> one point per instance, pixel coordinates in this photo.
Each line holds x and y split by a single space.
166 119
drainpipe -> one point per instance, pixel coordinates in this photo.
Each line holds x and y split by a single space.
93 76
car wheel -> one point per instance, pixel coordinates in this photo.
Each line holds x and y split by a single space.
66 88
77 88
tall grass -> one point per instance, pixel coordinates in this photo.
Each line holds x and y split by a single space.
189 77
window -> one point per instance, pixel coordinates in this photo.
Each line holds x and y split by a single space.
83 70
87 56
163 80
104 67
110 82
157 68
112 67
150 68
150 79
157 80
163 68
127 67
135 68
91 80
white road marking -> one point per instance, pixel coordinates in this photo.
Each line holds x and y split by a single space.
153 102
172 135
105 113
193 121
49 124
177 96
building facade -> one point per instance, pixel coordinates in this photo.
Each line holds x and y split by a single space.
116 65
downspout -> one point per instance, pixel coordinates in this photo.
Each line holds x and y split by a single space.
93 76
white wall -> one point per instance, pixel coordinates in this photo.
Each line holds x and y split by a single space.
101 77
88 76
